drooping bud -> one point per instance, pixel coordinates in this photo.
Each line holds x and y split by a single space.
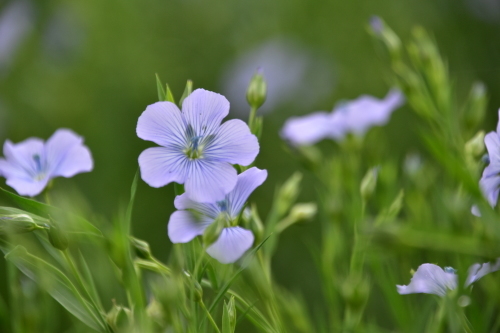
257 90
141 248
369 183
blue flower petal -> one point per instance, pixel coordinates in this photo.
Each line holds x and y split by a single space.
231 245
162 124
66 155
477 271
209 181
183 226
234 143
27 187
183 202
204 110
247 182
310 129
160 166
20 156
430 279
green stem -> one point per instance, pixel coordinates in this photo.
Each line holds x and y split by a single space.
251 117
212 321
15 300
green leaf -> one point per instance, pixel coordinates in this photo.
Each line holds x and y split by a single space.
187 91
71 223
159 87
57 284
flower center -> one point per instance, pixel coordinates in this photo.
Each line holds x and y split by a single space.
195 149
39 172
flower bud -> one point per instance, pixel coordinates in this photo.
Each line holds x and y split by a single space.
57 237
187 91
229 316
257 90
141 248
475 146
254 223
18 223
213 231
299 212
369 183
288 193
379 29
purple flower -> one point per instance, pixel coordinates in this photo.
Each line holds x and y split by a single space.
31 164
490 181
192 218
197 150
355 117
432 279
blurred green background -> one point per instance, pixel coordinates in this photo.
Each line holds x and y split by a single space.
90 66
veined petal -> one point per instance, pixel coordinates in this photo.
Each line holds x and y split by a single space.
183 202
27 187
247 182
477 271
308 129
209 181
160 166
490 186
430 279
204 111
231 245
183 226
21 155
233 143
492 142
162 124
66 155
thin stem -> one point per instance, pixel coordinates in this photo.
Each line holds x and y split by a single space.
212 321
251 117
14 292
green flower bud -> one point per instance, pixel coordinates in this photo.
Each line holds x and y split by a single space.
475 146
229 316
288 193
257 90
254 223
187 91
475 107
18 224
57 237
380 30
141 248
299 212
369 183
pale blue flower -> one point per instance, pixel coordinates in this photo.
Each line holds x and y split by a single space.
354 117
490 180
432 279
29 165
192 218
197 150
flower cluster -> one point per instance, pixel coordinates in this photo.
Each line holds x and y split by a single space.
432 279
29 165
355 117
199 152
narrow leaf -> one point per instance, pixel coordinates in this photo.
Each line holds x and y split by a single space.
159 87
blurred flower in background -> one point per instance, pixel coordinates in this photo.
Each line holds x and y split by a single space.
487 10
16 22
294 75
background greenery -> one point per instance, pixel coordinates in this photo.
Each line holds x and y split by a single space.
89 66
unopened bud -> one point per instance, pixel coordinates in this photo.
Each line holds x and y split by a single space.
476 104
369 183
257 90
57 237
141 248
229 316
380 30
187 91
288 193
475 146
18 223
255 223
213 231
299 213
